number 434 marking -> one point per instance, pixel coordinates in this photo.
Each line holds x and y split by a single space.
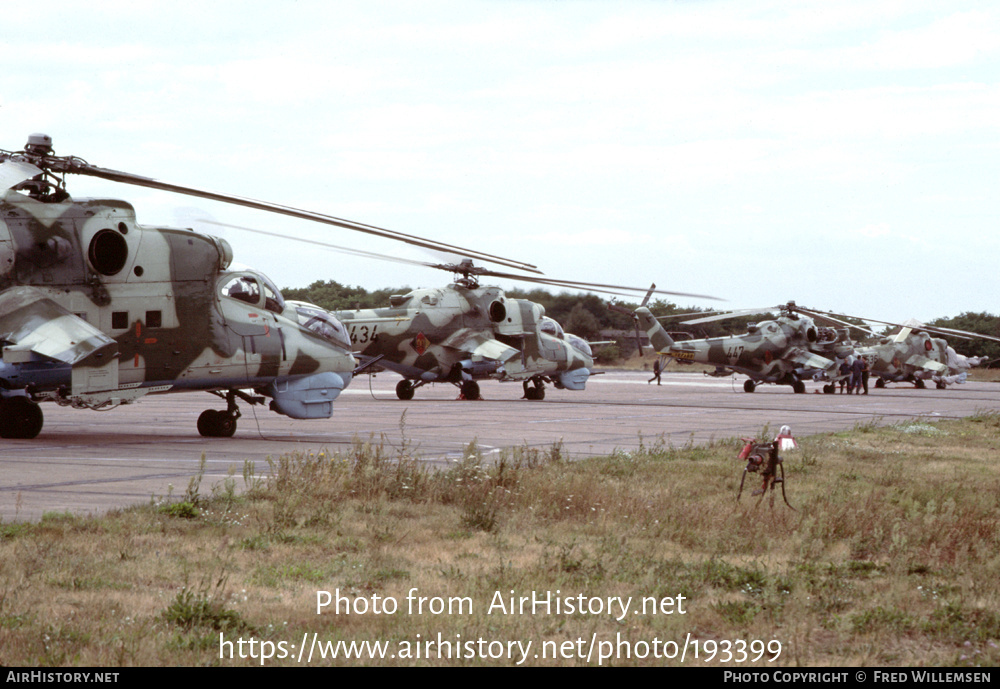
363 334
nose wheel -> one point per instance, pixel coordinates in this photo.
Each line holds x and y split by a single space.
215 423
535 391
470 390
404 389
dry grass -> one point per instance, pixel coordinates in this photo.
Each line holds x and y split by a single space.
985 375
889 559
645 363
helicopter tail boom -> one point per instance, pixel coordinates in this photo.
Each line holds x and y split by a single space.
658 337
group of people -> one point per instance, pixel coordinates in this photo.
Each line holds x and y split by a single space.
855 371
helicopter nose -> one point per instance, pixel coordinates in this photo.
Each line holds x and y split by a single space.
575 379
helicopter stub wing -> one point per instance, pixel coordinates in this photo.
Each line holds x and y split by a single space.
37 330
479 345
807 360
922 362
410 372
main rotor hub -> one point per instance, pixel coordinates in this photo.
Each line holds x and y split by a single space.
468 270
39 143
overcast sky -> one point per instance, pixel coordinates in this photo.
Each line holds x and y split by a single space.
840 154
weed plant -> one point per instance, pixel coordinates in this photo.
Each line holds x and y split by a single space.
888 559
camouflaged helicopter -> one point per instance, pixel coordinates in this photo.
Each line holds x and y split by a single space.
97 310
914 356
785 351
465 332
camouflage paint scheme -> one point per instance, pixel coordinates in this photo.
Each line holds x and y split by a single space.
464 332
786 350
914 356
135 309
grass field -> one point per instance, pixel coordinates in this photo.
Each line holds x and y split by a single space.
890 558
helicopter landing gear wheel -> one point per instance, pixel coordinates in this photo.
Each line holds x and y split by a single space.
20 418
940 385
880 383
829 389
470 390
919 384
798 387
536 391
214 423
749 386
404 389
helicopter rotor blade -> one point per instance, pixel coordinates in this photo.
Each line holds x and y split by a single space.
822 315
915 325
786 307
326 245
466 268
965 334
78 166
727 314
689 313
645 300
592 286
13 172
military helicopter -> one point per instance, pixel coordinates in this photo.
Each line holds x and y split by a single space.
913 355
785 351
97 310
465 332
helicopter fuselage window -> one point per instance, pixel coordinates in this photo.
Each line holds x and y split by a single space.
580 344
551 327
254 289
273 301
244 289
324 325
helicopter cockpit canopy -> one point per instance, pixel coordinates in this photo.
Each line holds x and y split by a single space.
579 344
322 323
255 289
550 327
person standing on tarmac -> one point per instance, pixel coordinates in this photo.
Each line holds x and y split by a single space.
856 369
